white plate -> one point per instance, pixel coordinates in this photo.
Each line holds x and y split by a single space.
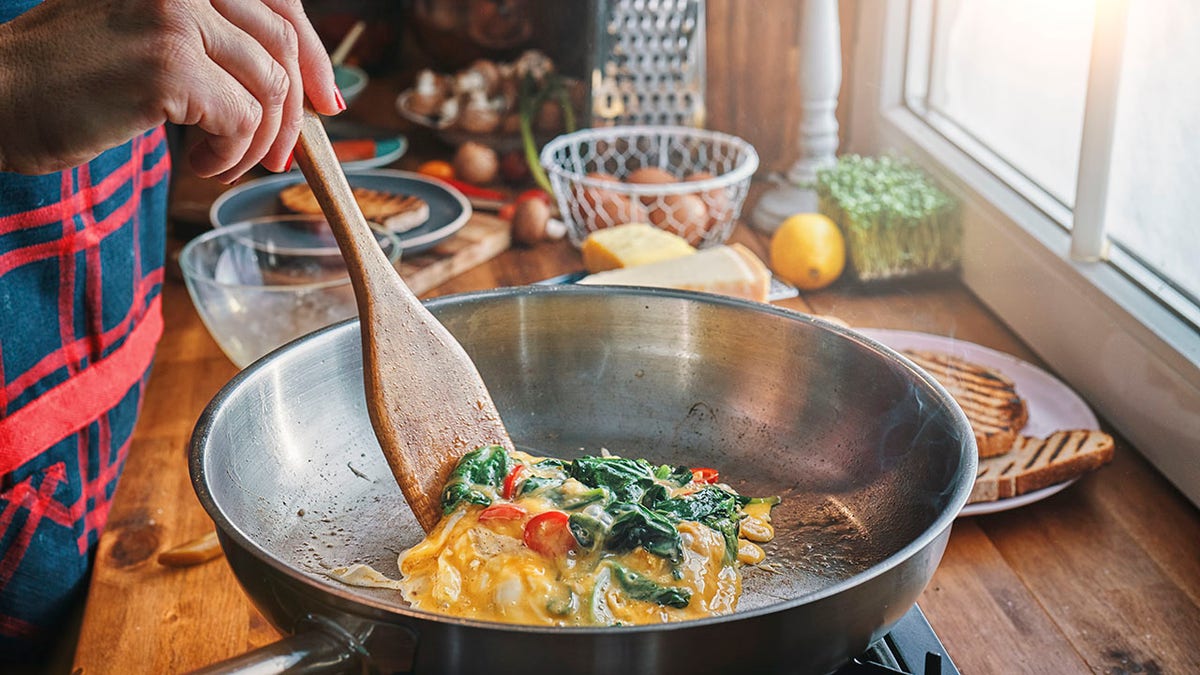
1053 406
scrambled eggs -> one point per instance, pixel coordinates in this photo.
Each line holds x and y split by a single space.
593 541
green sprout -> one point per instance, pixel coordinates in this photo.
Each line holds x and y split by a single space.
896 221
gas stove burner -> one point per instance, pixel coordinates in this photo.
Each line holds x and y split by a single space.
911 648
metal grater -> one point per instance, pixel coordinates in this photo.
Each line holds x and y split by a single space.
649 63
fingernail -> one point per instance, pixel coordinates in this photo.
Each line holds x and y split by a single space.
337 93
291 156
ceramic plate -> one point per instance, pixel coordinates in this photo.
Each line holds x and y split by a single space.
448 208
1053 406
387 150
350 80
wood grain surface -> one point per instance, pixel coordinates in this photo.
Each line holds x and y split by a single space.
1103 577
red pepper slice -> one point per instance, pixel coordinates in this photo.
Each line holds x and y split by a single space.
548 534
510 481
502 512
533 193
475 191
703 474
351 150
507 212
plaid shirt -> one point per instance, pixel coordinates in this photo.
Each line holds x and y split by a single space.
81 265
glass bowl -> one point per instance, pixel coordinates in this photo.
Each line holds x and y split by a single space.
261 283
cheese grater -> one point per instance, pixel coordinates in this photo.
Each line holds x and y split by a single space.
649 63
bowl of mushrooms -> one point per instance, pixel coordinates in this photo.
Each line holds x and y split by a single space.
483 102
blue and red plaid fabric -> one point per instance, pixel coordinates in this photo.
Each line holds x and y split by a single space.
81 265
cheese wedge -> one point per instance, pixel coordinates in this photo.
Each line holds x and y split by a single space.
728 270
630 245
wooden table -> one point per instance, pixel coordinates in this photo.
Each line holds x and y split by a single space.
1102 577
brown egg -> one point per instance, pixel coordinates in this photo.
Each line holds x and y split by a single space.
650 175
717 201
601 208
685 215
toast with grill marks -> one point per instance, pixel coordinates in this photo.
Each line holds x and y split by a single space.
1036 463
989 399
396 212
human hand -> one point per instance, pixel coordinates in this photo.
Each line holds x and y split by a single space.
81 76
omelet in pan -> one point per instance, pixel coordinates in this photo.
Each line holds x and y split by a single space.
596 541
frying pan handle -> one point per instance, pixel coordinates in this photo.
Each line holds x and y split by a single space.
321 648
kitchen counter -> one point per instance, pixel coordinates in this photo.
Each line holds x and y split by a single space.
1101 577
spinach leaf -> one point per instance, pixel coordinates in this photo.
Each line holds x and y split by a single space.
578 500
564 606
535 483
640 588
456 493
586 529
628 479
728 527
710 502
712 506
634 525
488 466
654 494
679 475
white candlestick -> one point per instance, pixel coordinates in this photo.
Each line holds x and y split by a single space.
820 80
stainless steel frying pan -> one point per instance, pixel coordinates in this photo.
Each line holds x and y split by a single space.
872 458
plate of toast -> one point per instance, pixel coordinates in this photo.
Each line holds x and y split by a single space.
1035 435
421 211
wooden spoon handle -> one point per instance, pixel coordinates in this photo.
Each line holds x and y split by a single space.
427 402
365 260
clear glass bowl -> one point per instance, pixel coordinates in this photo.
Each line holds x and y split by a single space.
262 283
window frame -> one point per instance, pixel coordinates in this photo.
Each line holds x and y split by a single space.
1135 359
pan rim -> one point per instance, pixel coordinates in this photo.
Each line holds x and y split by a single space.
968 465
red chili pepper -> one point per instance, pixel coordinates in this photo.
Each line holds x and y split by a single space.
548 534
704 474
507 212
475 191
510 481
502 512
533 193
354 149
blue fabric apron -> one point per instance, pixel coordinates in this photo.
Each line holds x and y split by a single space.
81 265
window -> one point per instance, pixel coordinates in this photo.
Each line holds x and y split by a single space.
1008 82
1068 130
1012 76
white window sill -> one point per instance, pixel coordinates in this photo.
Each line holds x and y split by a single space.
1137 363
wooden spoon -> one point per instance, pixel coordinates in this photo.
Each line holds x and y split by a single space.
427 402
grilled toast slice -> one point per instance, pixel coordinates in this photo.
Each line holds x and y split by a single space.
396 212
989 399
1035 463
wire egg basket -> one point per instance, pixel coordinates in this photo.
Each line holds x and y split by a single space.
601 179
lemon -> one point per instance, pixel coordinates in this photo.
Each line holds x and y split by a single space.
808 251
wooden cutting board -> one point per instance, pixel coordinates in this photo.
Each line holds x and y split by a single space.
481 239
